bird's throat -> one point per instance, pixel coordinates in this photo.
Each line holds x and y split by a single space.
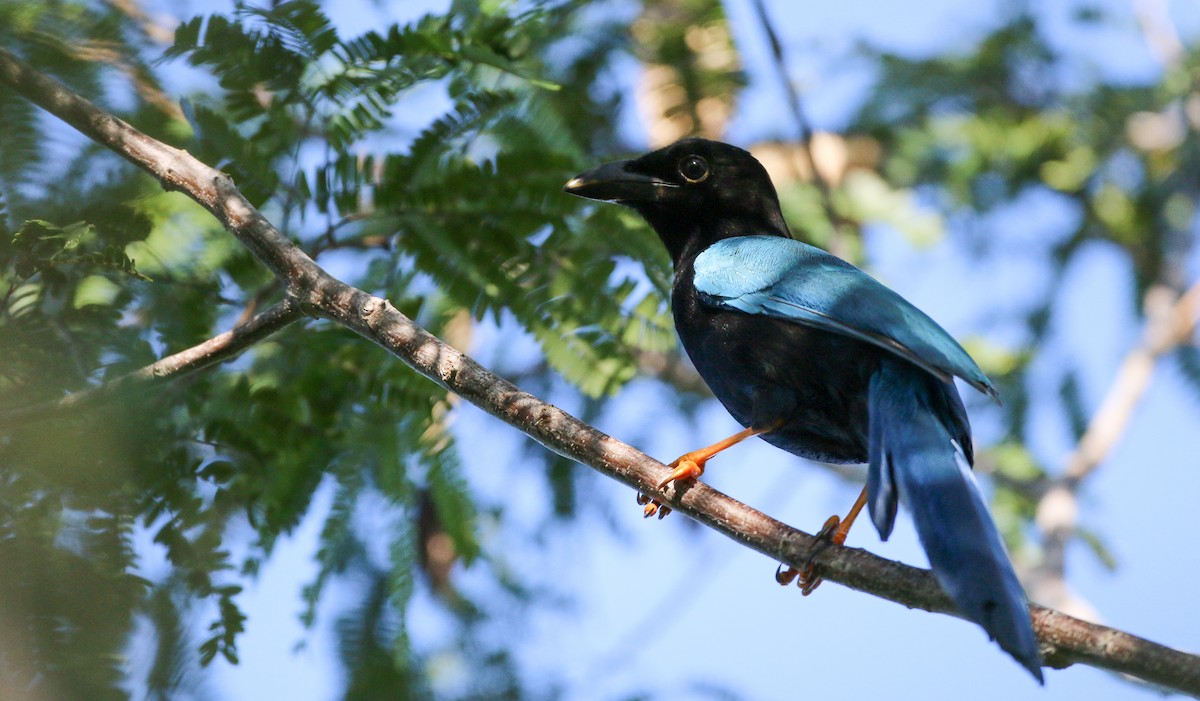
687 234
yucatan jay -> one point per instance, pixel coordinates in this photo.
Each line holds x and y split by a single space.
818 358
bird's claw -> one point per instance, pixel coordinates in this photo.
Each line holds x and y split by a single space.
652 506
807 578
687 469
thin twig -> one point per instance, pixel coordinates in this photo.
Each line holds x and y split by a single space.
215 350
141 79
1064 640
804 130
803 126
328 240
160 30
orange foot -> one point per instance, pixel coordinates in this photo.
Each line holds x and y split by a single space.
807 578
834 532
688 468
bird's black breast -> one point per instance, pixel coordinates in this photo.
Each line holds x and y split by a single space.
765 371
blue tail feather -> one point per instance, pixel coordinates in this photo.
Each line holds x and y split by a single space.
920 451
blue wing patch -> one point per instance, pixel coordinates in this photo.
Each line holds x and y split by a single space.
787 279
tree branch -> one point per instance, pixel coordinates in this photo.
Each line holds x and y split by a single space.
215 350
803 127
1170 320
805 132
1064 640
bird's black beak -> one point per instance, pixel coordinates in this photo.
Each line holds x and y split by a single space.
614 182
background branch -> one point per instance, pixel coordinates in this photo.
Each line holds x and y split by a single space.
1170 320
804 129
1065 640
215 350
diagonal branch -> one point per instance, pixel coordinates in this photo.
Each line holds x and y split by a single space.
1065 640
1170 321
215 350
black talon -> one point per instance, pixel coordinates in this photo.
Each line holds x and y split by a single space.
784 577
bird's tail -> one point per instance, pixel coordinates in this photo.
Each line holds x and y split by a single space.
920 448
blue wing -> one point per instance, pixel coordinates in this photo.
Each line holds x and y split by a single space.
790 280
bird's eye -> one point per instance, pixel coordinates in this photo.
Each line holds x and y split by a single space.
694 169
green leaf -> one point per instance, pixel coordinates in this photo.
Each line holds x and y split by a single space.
96 290
455 506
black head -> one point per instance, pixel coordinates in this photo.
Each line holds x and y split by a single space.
693 192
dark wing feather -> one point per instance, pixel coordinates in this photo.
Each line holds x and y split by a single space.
787 279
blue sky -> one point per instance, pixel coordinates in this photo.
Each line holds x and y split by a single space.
731 625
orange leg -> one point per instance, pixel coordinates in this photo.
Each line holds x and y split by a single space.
834 532
689 466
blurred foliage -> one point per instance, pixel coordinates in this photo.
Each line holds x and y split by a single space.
427 159
691 70
455 220
1002 123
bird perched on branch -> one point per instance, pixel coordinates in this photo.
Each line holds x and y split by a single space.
818 358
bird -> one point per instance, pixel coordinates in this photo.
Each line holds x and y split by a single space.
816 357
